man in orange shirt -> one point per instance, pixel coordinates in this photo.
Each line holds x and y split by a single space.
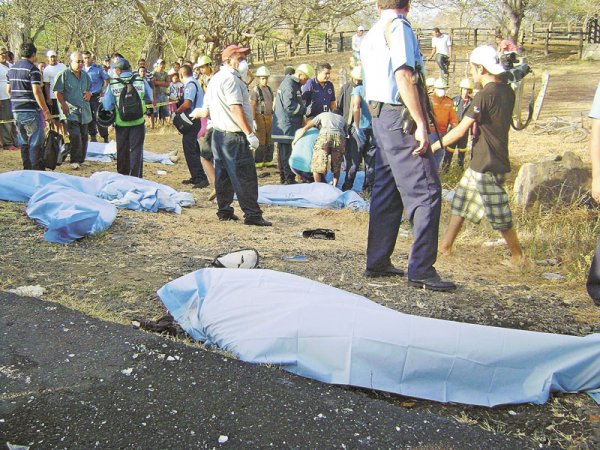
445 115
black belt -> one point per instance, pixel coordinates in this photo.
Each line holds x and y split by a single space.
392 106
229 132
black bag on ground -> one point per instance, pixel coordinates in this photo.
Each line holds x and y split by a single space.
52 150
130 102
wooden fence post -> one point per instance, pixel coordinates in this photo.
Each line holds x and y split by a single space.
341 48
274 52
307 44
532 33
580 51
547 42
475 37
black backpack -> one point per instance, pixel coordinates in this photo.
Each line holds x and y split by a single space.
130 102
55 150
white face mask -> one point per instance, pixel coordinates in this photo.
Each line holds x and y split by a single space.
440 92
243 68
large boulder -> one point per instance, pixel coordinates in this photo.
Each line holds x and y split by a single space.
561 178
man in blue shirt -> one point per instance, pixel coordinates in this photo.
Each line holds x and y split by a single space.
26 97
99 79
406 178
318 93
193 98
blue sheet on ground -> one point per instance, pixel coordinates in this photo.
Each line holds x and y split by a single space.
263 316
101 152
311 195
72 207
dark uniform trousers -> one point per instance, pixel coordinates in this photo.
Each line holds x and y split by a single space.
191 151
235 173
284 151
130 150
78 134
354 155
93 126
408 183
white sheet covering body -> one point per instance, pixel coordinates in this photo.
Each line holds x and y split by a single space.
330 335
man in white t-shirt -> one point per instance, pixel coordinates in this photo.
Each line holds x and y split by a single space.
441 48
357 40
6 128
49 77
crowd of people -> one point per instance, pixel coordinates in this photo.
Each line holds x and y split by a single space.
379 120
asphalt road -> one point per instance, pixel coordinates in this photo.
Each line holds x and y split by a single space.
71 381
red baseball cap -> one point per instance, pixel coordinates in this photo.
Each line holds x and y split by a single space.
231 49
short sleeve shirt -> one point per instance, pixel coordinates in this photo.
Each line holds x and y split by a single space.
492 111
22 76
73 89
442 44
225 89
365 114
267 97
3 74
50 73
330 123
193 92
98 76
161 76
595 111
380 61
317 97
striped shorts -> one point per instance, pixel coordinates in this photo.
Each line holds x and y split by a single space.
482 194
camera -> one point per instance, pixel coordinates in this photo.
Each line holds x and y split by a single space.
516 67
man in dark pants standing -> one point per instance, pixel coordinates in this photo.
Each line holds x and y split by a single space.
130 134
228 103
406 178
193 98
288 113
98 76
72 88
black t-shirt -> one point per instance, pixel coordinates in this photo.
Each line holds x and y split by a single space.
492 110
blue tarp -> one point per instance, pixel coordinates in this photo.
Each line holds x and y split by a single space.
71 207
269 317
311 195
101 152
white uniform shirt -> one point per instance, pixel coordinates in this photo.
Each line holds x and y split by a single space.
49 75
226 88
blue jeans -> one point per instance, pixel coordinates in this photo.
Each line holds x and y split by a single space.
438 156
30 134
235 172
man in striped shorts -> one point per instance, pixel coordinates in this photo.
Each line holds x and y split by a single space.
480 191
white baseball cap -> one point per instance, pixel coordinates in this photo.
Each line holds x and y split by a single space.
487 57
361 28
50 53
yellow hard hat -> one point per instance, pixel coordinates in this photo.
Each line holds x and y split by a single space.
263 71
204 60
357 73
467 83
306 69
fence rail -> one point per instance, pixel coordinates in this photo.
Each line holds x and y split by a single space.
551 37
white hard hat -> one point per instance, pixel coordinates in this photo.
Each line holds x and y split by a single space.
357 73
440 83
360 28
467 83
263 71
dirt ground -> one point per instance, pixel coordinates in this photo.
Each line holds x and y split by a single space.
115 275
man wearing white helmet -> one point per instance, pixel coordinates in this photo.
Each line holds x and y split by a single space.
261 102
205 68
480 191
356 41
445 116
461 103
288 114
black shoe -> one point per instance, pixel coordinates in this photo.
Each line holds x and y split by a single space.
201 184
106 140
190 181
389 271
228 218
257 221
93 138
433 284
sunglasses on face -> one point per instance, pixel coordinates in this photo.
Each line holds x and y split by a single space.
79 61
